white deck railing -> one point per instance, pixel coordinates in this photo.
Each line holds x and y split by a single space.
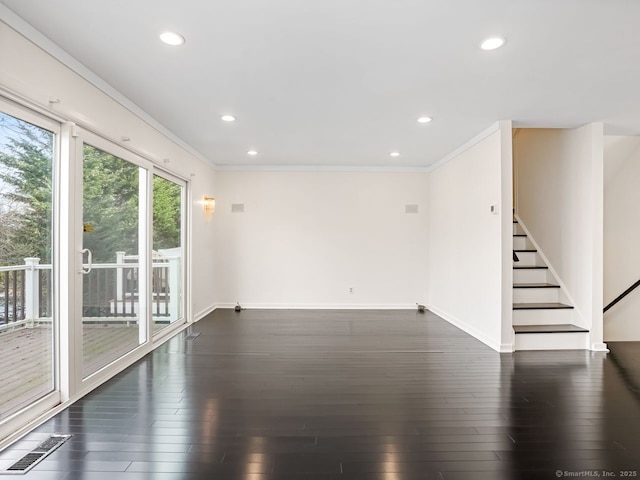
110 291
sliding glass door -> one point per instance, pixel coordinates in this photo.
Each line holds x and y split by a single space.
67 322
27 314
114 288
167 304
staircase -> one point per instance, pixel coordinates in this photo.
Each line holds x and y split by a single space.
542 316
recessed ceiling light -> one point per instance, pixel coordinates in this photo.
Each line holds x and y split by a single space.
493 43
228 118
394 154
424 119
252 152
172 38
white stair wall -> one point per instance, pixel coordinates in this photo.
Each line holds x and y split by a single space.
553 316
536 295
552 341
529 259
538 275
522 243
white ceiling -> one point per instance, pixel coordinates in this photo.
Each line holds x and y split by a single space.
341 82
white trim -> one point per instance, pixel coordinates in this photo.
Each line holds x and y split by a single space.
599 347
484 338
506 234
30 33
188 245
184 236
86 137
48 115
29 112
507 348
310 306
319 168
204 312
465 146
25 114
22 421
145 247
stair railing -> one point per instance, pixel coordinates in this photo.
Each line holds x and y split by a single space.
622 295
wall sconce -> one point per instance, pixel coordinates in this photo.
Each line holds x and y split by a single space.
209 206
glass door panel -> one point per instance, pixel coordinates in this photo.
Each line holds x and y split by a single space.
26 269
113 297
168 259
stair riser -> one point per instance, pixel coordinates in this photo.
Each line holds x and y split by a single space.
552 341
555 316
529 259
521 243
532 276
536 295
517 229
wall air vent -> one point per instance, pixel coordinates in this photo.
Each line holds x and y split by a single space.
411 209
237 208
36 455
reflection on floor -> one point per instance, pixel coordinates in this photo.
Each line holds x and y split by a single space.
392 395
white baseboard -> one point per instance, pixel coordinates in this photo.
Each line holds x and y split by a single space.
599 347
204 312
309 306
487 340
507 348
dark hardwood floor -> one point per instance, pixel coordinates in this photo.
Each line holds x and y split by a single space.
375 395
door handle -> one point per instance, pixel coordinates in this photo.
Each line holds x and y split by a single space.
85 271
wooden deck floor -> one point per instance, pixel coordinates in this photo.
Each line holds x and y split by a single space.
25 374
26 359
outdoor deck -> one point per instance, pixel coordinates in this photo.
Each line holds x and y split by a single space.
26 356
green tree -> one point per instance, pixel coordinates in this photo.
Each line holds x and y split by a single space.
26 162
166 213
110 199
110 205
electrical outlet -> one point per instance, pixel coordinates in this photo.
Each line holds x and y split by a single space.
350 290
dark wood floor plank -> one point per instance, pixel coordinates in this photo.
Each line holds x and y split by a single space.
327 395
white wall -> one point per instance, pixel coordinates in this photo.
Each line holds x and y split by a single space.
27 71
621 236
307 237
560 199
469 247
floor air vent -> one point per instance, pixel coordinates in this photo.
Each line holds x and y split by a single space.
36 455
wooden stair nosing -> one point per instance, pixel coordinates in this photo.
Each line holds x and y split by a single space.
542 306
530 267
535 285
538 329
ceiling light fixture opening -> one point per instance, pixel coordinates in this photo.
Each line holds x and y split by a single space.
253 153
424 119
228 118
394 154
492 43
172 38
